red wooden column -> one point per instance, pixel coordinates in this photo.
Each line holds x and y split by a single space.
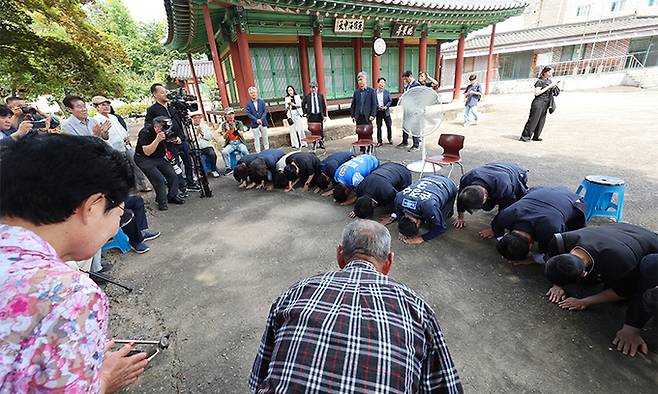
303 63
376 65
422 57
198 91
245 60
216 60
490 58
237 67
400 64
319 61
459 65
437 64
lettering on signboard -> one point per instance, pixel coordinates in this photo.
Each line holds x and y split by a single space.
346 25
403 30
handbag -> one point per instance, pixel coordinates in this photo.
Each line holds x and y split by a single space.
290 121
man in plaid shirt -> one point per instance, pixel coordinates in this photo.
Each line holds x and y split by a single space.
355 330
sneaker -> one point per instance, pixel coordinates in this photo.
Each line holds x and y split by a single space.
163 207
537 139
413 149
402 145
214 174
228 172
379 144
194 188
140 247
176 200
149 235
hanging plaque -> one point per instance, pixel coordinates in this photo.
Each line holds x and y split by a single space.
345 25
403 30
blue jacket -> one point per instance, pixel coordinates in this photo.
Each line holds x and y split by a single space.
431 198
384 182
352 172
369 107
506 183
542 212
255 115
388 101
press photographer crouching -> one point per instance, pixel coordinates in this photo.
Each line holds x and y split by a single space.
150 158
55 319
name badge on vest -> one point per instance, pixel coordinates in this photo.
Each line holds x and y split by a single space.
409 204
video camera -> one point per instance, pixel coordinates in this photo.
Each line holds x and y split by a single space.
27 110
183 103
167 130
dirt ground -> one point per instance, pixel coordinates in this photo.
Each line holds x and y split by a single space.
220 262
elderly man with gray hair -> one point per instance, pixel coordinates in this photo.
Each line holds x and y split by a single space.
354 330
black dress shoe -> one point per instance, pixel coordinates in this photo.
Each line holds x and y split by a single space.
390 142
176 200
402 145
379 144
524 139
163 207
537 139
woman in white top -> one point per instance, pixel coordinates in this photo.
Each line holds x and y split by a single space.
294 107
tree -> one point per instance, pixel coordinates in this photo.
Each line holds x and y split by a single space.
50 47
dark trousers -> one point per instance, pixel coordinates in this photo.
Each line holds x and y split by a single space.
161 175
182 151
381 116
317 118
405 139
134 229
209 152
536 120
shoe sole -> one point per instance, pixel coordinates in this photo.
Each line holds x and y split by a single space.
151 238
139 251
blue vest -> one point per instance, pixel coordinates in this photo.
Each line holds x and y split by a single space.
354 171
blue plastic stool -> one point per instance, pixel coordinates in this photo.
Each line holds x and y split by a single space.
235 158
599 193
120 241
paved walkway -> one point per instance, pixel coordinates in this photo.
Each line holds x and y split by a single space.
212 275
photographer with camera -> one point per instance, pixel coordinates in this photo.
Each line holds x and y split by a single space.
150 158
8 132
21 112
233 140
79 123
163 108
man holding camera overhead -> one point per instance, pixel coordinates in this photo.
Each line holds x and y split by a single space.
150 158
182 149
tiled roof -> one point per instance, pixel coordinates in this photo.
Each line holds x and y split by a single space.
584 30
181 69
457 5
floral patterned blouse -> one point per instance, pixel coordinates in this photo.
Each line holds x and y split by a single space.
53 319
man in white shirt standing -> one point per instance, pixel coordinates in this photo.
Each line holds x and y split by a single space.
118 137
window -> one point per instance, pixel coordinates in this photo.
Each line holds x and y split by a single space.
572 52
617 5
583 10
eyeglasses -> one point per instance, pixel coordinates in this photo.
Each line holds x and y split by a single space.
126 216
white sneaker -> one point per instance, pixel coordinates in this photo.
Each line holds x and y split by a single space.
465 124
214 174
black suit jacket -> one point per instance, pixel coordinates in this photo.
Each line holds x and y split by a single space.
369 102
307 105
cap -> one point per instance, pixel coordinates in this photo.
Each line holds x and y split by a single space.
229 110
313 84
100 99
196 113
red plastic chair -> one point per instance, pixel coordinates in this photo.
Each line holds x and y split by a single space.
452 144
315 128
364 139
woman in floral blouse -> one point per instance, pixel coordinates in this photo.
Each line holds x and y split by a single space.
61 199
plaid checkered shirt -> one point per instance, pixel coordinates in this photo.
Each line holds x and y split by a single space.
354 330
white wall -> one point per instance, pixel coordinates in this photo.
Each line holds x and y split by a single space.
576 82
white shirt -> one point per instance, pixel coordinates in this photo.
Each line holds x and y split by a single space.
315 107
380 98
117 134
255 104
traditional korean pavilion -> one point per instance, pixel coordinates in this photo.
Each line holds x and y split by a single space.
274 43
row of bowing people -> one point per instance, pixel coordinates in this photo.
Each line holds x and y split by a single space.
540 225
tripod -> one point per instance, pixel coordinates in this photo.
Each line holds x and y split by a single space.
195 152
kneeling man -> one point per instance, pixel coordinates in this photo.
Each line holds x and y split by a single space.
379 189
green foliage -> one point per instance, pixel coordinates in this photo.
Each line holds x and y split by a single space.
50 47
132 109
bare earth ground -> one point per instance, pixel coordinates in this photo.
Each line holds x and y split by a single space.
220 262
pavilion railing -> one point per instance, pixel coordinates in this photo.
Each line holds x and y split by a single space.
596 65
